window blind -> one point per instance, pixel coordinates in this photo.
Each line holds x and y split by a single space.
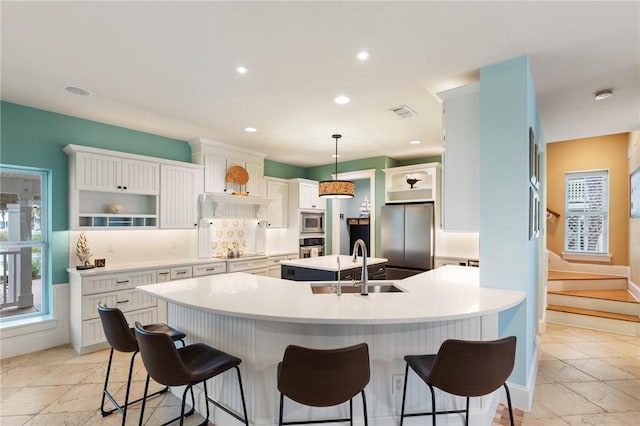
587 212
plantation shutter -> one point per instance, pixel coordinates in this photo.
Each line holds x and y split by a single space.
587 212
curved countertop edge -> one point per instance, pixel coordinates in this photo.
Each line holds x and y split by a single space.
247 296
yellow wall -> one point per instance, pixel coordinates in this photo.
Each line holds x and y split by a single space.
634 224
604 152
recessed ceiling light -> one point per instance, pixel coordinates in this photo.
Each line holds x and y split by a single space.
363 55
250 129
341 100
77 90
242 70
603 94
415 142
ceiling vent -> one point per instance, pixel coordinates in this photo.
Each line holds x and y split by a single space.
403 111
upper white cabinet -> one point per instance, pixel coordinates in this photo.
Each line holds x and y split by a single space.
278 193
304 194
461 158
113 190
179 190
217 158
419 182
97 172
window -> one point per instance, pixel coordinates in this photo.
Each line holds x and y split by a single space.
587 212
23 242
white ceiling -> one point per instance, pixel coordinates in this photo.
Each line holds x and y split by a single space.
168 68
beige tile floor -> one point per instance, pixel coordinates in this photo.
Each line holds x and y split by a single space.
584 378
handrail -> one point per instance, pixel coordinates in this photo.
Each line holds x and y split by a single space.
552 213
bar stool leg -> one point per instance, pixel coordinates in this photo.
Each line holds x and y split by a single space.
364 406
351 412
506 388
104 390
404 392
144 400
281 408
244 405
466 414
433 404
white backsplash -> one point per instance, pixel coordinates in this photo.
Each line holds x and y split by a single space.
137 246
465 245
217 235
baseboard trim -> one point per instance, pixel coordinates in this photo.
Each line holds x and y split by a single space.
522 396
633 289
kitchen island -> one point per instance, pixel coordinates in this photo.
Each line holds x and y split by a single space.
256 317
327 268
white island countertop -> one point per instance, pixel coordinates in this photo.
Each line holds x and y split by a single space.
447 293
330 262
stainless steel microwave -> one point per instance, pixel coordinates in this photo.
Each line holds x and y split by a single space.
311 222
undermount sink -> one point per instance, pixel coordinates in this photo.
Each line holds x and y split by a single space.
325 287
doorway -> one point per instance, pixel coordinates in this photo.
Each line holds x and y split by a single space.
341 210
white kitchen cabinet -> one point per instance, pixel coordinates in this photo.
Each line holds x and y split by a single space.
181 272
278 193
106 173
461 158
217 158
116 290
274 268
179 190
256 187
210 269
425 178
110 190
305 193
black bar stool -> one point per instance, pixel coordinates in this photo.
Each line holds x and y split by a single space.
324 378
188 366
122 339
463 368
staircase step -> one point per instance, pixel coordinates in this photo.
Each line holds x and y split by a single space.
586 282
594 319
570 275
615 301
614 295
594 313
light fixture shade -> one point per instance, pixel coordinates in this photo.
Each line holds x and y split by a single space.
336 189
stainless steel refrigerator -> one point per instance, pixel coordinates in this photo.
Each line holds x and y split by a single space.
407 238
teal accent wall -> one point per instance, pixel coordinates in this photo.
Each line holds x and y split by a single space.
283 171
35 138
510 260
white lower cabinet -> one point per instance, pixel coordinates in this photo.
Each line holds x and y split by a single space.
115 290
274 268
209 269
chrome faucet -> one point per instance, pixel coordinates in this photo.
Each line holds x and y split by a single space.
339 289
364 290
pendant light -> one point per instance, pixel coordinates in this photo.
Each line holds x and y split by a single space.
336 188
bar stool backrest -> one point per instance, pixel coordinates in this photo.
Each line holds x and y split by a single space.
161 359
473 368
116 330
321 377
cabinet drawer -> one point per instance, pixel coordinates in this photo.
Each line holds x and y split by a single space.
105 283
210 269
275 260
247 265
127 300
163 275
181 272
92 332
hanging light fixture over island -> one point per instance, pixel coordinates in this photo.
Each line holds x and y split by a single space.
336 188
